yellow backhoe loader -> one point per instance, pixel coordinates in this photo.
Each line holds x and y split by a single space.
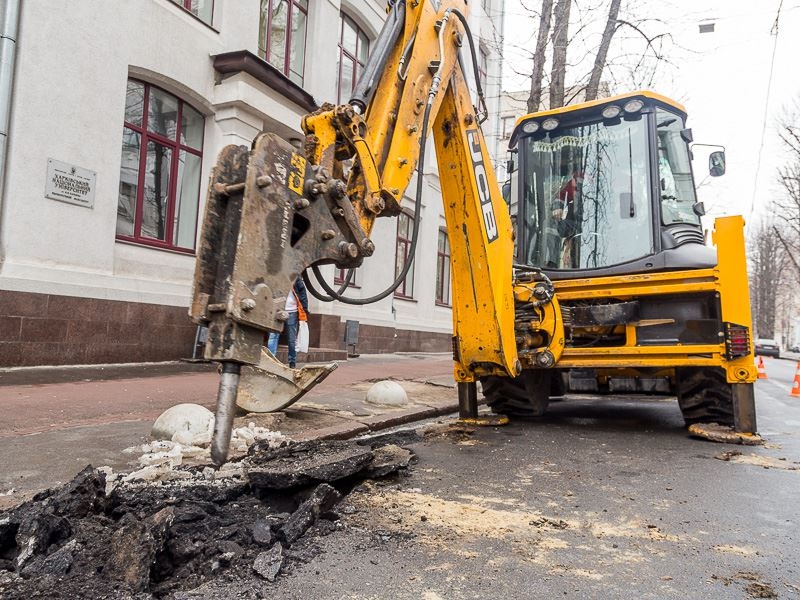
592 276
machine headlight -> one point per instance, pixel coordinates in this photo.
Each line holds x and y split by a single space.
530 127
549 124
611 111
632 106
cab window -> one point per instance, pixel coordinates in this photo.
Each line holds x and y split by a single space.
676 186
586 195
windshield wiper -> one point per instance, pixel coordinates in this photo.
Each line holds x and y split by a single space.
666 122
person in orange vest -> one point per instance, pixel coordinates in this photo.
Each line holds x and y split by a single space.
297 307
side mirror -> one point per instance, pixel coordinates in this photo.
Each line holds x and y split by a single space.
506 189
716 163
511 165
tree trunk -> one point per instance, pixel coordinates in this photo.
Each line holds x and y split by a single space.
535 97
602 51
767 265
787 204
560 41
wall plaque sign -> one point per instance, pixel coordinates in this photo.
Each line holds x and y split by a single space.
69 183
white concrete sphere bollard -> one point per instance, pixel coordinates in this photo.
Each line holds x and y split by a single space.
186 420
387 393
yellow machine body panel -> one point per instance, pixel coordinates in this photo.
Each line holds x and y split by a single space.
481 243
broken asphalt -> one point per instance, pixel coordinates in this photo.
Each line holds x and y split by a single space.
58 420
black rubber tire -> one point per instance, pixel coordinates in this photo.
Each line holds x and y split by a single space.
704 395
558 384
524 396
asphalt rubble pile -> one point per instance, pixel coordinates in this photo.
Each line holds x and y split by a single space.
172 538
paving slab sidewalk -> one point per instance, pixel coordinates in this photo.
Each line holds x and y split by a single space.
53 422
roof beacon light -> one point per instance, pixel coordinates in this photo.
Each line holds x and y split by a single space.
530 127
611 111
632 106
549 124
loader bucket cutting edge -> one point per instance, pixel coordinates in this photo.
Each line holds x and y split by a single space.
271 386
724 434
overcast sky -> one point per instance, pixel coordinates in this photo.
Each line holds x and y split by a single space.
722 78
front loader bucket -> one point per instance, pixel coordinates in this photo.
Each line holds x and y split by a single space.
271 386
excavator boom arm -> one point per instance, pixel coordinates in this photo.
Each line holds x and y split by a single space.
274 211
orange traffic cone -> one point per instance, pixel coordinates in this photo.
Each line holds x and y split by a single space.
796 385
762 372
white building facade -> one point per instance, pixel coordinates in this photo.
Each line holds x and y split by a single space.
117 113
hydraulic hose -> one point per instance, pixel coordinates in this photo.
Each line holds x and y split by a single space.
332 294
319 295
475 72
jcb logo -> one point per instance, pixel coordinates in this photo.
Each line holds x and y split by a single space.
481 180
297 169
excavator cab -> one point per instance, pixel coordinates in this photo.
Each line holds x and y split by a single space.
607 188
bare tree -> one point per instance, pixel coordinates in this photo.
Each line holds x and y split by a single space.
787 206
602 52
767 262
560 42
622 61
535 98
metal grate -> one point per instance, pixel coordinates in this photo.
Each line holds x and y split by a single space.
737 341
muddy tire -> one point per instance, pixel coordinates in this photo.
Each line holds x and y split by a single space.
704 395
524 396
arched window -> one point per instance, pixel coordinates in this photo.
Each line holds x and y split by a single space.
159 184
353 52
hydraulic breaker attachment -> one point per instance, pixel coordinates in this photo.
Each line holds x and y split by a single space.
269 215
267 387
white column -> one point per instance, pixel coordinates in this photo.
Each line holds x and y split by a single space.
237 125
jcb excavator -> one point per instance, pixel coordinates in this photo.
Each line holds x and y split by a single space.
594 276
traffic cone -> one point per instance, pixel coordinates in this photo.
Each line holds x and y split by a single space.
762 372
796 385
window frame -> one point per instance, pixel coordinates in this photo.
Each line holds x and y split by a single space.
175 146
293 6
405 290
358 65
443 266
507 123
339 275
483 68
186 5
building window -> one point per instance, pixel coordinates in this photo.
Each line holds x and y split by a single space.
282 36
340 275
353 52
159 183
202 9
443 269
483 65
405 226
508 126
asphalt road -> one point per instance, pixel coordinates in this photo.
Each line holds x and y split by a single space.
601 499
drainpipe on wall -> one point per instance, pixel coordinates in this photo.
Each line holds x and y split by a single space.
9 26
